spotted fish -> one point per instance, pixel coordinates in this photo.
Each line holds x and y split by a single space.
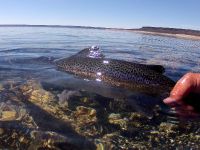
90 63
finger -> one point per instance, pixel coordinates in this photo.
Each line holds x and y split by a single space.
183 87
196 78
180 90
188 83
169 100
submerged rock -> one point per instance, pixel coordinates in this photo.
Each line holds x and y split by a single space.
33 117
118 120
34 92
10 112
85 115
168 128
45 140
65 96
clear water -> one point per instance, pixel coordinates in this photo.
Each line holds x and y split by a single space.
21 50
178 56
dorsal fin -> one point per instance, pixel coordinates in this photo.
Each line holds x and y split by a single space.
157 68
92 52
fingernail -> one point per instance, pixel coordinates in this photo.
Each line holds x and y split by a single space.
168 100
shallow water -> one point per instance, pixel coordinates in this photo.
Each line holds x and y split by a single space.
42 107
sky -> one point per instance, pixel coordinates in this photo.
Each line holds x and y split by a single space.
103 13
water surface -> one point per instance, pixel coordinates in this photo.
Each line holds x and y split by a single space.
32 87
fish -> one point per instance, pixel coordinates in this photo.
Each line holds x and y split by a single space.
147 83
90 63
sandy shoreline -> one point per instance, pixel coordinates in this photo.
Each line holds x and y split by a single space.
182 36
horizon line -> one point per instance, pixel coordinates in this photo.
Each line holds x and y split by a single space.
57 25
87 26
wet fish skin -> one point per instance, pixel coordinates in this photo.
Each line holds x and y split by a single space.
116 72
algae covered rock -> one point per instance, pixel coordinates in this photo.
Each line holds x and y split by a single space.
9 111
85 115
34 91
168 128
118 120
36 94
46 140
32 116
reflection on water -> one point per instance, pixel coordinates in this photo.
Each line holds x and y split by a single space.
41 107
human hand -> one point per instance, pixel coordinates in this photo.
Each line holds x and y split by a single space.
189 83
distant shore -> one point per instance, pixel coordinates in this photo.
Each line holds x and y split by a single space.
183 36
172 32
